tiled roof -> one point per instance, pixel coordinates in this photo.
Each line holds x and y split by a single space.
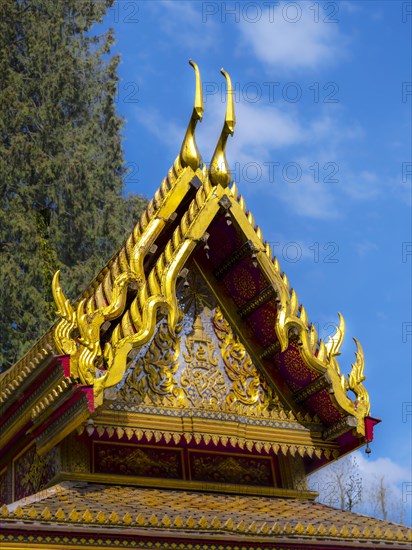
79 508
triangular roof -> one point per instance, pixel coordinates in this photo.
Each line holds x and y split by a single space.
286 397
195 214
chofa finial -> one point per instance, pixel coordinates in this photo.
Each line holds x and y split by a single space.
219 169
189 153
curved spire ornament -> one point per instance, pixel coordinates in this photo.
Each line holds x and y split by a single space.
189 153
355 379
335 342
219 171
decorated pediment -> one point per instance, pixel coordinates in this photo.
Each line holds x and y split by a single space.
191 333
203 366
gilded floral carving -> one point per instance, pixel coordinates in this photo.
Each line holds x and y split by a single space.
203 381
203 366
247 387
152 377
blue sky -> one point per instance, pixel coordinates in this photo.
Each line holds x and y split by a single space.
321 153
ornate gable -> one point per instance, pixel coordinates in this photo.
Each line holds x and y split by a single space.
189 358
204 366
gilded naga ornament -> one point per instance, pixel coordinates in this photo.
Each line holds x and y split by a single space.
86 355
355 379
78 332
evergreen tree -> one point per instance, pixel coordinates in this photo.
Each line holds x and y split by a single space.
61 160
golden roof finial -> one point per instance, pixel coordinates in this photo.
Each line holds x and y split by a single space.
189 153
219 169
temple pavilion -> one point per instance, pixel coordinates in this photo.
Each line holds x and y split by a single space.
183 399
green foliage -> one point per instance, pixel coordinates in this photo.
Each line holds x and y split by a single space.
61 161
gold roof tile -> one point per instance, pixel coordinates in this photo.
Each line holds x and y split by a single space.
80 506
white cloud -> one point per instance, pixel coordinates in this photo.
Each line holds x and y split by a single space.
381 316
166 131
308 150
377 15
365 247
364 185
350 7
260 130
330 128
293 36
289 251
181 21
310 198
263 133
384 481
382 467
264 128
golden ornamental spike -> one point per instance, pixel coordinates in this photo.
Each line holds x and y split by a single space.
335 342
355 379
219 169
189 153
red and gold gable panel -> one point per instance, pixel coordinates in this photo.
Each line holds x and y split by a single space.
236 468
32 472
185 464
140 461
199 391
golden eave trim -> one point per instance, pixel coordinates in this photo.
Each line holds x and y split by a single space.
260 439
41 354
317 355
